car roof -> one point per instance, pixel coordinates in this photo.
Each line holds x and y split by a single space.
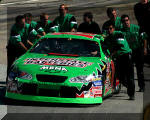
75 35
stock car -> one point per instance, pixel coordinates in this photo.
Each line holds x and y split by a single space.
63 68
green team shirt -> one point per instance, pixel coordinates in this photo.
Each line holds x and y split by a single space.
33 24
19 35
117 42
118 25
133 37
33 35
32 31
64 24
41 28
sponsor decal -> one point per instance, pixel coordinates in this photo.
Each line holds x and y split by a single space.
97 83
93 92
53 69
57 61
113 70
97 91
96 79
98 76
108 68
109 80
107 85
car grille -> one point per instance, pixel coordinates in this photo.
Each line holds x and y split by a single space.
51 78
68 92
63 92
29 89
48 92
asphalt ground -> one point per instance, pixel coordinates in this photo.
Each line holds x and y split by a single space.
116 104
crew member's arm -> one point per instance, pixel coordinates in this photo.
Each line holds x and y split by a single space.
23 46
40 31
29 42
17 39
145 47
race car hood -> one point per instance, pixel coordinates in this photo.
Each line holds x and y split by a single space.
59 65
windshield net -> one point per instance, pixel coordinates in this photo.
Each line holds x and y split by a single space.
67 46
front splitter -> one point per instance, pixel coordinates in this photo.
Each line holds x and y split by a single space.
53 99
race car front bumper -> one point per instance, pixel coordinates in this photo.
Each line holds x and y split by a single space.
17 96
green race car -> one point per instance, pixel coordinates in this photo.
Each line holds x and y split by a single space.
63 68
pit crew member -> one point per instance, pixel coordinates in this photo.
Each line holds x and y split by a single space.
138 44
89 26
120 50
65 22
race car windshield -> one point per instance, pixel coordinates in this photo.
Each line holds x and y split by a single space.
67 47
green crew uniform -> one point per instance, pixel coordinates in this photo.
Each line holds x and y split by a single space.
14 50
33 24
118 25
136 41
124 68
64 23
32 31
117 42
38 28
44 28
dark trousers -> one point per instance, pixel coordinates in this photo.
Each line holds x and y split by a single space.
125 72
138 59
12 54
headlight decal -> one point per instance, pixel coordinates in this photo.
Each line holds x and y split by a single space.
24 75
80 79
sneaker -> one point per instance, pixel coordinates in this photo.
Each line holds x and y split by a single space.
131 98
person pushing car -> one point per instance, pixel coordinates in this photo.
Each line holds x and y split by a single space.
120 50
